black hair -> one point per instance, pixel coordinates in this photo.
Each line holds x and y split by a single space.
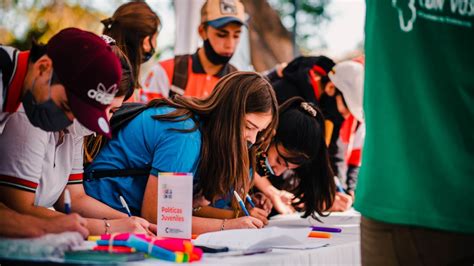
37 51
301 131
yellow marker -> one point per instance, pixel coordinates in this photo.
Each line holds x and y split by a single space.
93 238
179 256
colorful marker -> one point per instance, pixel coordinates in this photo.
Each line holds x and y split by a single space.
326 229
316 234
117 249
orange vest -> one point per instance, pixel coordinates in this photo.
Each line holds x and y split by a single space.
199 83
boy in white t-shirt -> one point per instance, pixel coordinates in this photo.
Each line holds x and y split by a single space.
37 165
35 168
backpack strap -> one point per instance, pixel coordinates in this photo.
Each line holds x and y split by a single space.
126 113
96 174
180 75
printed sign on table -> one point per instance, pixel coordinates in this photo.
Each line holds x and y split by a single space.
175 199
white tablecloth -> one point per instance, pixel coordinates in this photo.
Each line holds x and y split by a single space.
342 249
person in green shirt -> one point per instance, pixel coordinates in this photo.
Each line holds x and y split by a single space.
416 183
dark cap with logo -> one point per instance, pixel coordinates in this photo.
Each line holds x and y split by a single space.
90 73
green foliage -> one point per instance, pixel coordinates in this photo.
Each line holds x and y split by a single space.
310 16
41 19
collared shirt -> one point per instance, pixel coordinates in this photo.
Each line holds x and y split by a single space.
13 68
41 162
158 80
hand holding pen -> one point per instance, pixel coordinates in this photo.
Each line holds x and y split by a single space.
147 227
254 211
261 201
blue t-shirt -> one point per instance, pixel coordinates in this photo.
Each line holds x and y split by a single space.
225 201
143 143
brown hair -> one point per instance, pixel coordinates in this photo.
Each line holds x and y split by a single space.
93 144
130 24
225 159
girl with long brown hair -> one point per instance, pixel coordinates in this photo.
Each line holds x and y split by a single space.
208 137
135 27
298 146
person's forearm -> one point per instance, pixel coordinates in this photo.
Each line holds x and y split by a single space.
212 212
149 213
89 207
203 225
97 227
14 224
264 185
38 211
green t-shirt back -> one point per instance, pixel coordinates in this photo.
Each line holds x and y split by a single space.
418 158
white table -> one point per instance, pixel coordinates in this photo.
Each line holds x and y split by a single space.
343 248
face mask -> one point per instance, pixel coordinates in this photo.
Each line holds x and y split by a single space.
268 166
78 129
47 116
148 55
214 57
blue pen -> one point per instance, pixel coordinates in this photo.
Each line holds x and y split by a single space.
338 185
124 204
67 201
241 203
249 199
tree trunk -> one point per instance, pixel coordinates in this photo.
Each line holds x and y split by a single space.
270 41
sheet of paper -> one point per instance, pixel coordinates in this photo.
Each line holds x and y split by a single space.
273 237
348 218
175 199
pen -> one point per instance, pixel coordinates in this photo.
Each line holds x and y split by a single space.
67 201
249 199
338 185
124 204
241 203
326 229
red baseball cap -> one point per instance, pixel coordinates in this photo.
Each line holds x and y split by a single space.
90 73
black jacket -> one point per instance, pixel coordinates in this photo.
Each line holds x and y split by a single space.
295 81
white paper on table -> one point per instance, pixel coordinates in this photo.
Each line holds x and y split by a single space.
274 237
175 201
348 218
